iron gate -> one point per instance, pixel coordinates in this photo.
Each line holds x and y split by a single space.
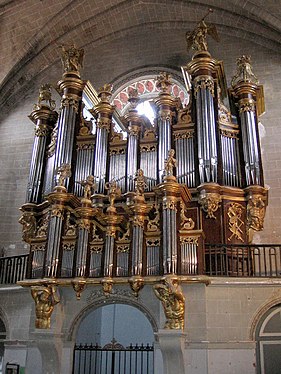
113 358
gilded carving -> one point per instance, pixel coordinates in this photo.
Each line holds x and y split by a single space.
235 222
189 240
57 211
72 58
89 186
170 294
70 102
164 81
246 106
170 204
43 227
210 202
41 131
52 145
196 39
187 134
78 286
203 82
45 298
123 248
107 284
114 191
255 213
154 224
63 172
45 96
223 112
84 224
170 163
136 284
140 182
186 223
244 71
28 221
70 230
155 242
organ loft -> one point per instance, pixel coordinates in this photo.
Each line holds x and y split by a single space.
115 200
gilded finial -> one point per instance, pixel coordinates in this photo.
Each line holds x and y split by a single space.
105 92
164 81
133 98
244 72
63 172
45 97
72 58
196 39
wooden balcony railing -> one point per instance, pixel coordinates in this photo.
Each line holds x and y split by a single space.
263 260
13 269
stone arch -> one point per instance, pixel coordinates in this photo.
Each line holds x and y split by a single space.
102 301
260 313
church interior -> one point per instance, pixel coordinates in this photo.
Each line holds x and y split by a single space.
140 194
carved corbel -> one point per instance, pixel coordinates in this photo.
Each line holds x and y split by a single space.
210 202
136 284
79 286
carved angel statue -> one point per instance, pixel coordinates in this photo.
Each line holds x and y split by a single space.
244 71
113 191
173 301
89 186
29 226
45 95
72 58
196 39
140 182
170 163
45 298
63 172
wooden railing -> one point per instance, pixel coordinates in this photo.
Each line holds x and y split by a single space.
13 269
263 260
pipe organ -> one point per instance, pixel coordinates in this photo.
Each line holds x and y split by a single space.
104 208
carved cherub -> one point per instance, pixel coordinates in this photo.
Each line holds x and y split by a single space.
45 95
140 182
196 39
173 301
244 71
113 191
170 163
63 172
89 185
45 298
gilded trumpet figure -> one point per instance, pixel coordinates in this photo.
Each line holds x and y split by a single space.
72 58
45 298
196 39
170 294
89 186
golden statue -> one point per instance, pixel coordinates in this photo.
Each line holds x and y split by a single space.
170 163
244 71
45 298
164 81
89 185
63 172
29 226
113 191
140 182
196 39
173 301
72 58
45 95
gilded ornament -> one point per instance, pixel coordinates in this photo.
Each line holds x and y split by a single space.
193 240
79 286
84 224
114 191
235 222
169 204
223 112
70 230
140 183
203 82
244 72
105 92
45 298
52 145
164 81
41 131
72 58
196 39
63 172
186 223
70 102
28 221
255 213
154 224
246 106
45 96
89 186
57 211
210 202
136 284
107 284
170 294
170 163
43 227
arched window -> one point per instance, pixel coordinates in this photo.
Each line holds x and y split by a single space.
268 335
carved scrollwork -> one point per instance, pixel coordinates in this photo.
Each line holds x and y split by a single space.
203 82
235 221
28 221
70 102
43 226
210 202
170 204
154 224
57 211
186 222
189 240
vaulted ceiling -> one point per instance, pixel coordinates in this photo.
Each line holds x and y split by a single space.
119 36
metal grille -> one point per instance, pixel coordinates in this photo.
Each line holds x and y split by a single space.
113 358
